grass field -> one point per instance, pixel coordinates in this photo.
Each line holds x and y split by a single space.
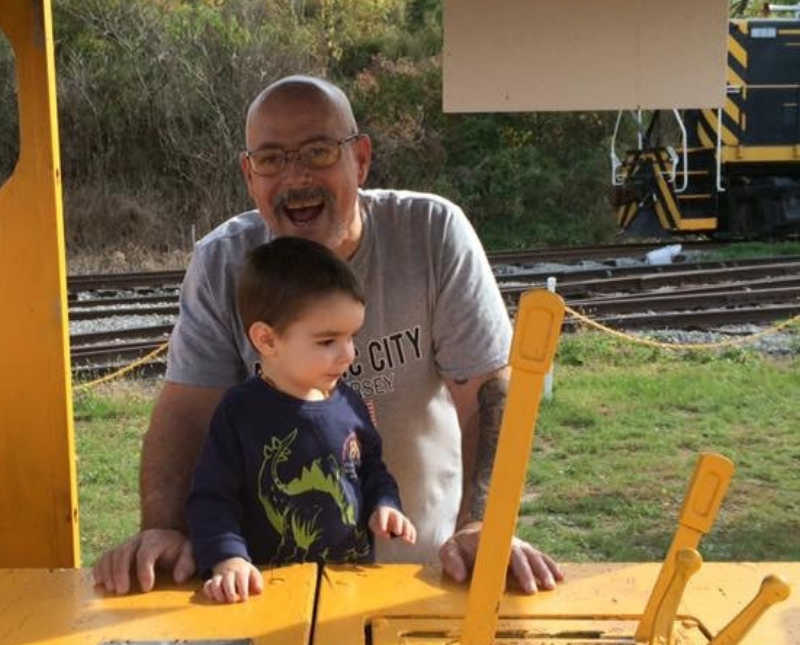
757 250
614 451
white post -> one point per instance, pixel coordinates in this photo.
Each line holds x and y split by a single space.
548 378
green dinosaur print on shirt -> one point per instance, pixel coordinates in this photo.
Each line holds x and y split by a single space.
298 531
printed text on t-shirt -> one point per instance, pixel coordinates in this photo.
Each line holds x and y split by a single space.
372 371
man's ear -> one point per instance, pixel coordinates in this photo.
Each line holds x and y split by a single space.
363 149
263 338
247 172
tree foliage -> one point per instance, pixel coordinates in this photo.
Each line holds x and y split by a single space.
152 96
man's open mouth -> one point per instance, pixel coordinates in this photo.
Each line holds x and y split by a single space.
303 208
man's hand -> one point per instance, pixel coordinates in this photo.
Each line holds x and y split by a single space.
388 522
165 548
531 568
233 580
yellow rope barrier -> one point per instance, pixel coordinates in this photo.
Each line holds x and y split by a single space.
655 343
579 316
144 359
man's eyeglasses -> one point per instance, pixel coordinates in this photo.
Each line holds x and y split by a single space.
316 155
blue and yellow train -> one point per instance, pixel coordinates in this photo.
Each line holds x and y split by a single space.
733 171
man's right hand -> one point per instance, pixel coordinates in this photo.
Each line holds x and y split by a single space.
148 549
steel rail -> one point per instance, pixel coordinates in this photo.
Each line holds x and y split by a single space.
155 331
603 251
570 287
109 312
619 271
694 319
684 302
173 278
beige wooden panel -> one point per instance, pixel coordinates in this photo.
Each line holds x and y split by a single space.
532 55
38 500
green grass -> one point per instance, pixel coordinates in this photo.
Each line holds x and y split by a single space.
743 250
617 445
109 424
614 452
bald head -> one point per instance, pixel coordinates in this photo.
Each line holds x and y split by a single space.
305 199
300 88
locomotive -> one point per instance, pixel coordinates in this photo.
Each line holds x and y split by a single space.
730 172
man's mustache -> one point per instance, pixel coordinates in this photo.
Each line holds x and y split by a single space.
301 195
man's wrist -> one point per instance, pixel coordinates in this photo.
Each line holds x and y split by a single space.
161 520
469 524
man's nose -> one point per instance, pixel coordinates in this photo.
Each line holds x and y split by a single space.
294 165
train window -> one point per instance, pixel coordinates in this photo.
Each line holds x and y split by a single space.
763 32
9 113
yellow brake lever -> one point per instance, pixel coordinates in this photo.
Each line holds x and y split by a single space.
707 488
773 589
687 562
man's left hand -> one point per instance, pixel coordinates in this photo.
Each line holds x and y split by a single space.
532 569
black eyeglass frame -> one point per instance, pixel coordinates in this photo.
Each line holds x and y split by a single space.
295 154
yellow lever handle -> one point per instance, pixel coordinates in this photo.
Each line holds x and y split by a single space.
706 491
773 589
687 562
708 485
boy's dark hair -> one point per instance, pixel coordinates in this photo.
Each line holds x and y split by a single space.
281 278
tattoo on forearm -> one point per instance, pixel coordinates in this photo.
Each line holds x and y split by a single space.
491 402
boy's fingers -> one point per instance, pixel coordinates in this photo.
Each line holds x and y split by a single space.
213 588
229 586
256 581
242 583
378 522
394 523
384 520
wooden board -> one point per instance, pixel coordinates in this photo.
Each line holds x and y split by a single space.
39 606
531 55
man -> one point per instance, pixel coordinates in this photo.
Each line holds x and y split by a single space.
430 359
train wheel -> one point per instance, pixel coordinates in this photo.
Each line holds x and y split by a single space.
645 224
741 222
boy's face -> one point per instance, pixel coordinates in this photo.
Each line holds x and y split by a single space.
312 353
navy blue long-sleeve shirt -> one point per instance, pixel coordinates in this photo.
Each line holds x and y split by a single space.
284 480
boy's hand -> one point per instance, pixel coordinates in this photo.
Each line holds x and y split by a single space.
388 522
233 580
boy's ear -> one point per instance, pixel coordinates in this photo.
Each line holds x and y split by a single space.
263 338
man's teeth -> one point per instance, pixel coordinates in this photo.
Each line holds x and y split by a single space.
309 203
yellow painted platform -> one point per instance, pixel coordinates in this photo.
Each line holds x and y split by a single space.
595 599
40 606
399 603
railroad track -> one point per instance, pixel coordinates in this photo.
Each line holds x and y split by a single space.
598 252
691 295
172 279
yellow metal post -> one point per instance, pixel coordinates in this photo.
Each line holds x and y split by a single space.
38 505
536 333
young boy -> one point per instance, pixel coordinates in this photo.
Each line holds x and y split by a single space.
291 470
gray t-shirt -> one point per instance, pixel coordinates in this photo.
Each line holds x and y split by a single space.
433 311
